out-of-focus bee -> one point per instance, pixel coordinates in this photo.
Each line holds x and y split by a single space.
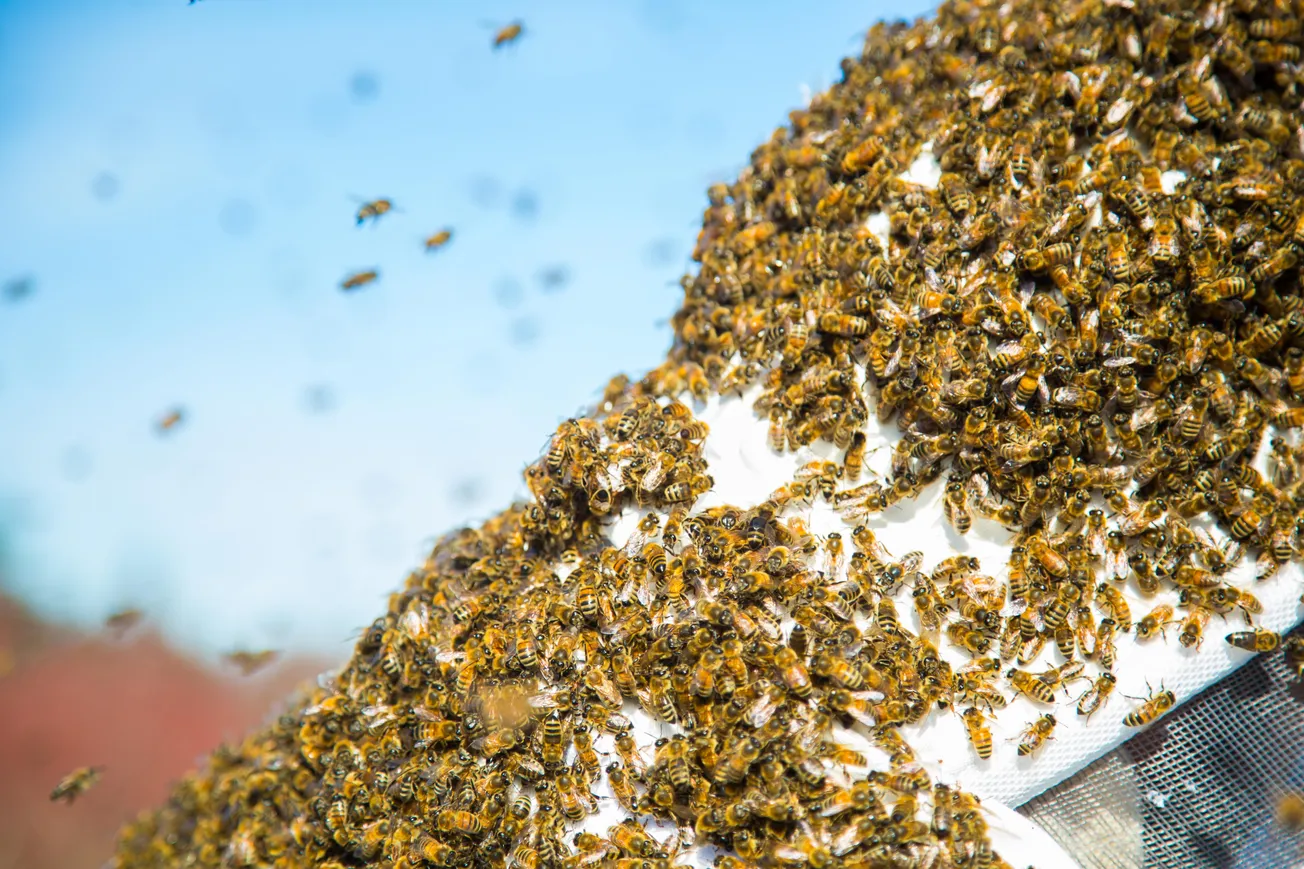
1036 734
123 621
1294 655
508 34
76 783
1097 695
170 420
1290 811
359 279
438 240
251 662
373 210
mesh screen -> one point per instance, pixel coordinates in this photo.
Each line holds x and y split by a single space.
1199 789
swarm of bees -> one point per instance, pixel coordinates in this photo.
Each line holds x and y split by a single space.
1089 352
477 717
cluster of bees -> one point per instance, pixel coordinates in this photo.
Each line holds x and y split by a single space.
476 718
1087 354
1090 326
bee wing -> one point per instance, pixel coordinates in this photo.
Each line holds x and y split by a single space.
1116 566
545 699
846 840
1067 395
422 712
764 707
893 363
1096 543
606 688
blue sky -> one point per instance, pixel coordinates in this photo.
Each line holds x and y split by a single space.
179 183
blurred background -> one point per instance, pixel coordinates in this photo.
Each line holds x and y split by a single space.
180 184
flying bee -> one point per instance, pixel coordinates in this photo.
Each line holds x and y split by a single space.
251 662
1154 706
1036 734
438 240
373 210
170 420
508 34
123 621
76 783
359 279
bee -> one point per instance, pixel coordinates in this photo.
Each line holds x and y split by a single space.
964 635
584 751
250 662
123 621
359 279
568 795
1258 640
1154 706
1049 559
1105 649
508 34
170 420
438 240
1290 811
1097 695
1036 734
980 736
1154 622
793 672
846 325
1264 51
1019 167
1294 654
76 783
373 210
853 464
1033 686
1193 625
630 755
1133 522
432 851
622 787
956 193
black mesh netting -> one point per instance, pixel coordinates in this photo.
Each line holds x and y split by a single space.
1199 789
